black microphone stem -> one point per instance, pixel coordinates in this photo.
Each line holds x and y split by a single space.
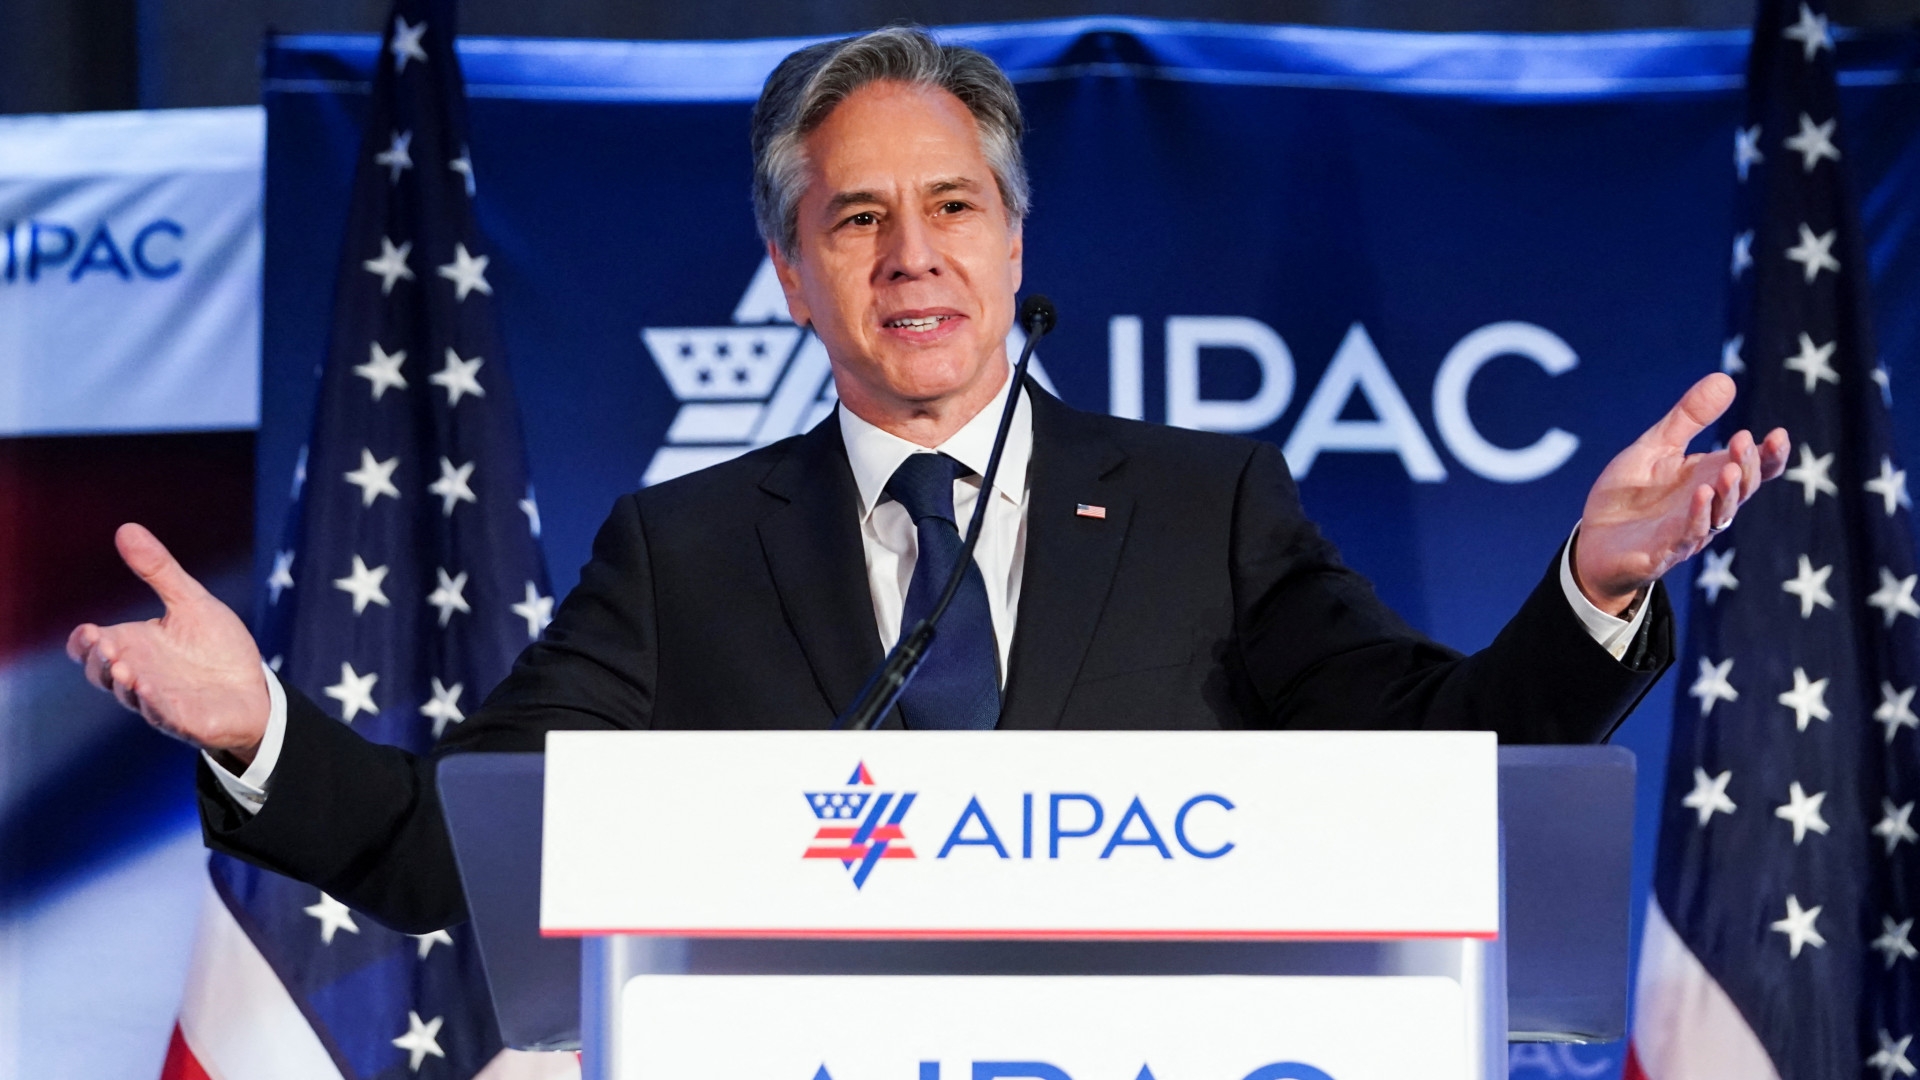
886 685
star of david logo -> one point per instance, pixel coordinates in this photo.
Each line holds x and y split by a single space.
859 826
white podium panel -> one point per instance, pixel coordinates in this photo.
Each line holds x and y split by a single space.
1211 1027
1109 835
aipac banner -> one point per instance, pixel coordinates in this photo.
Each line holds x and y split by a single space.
130 260
130 271
1451 276
1204 1027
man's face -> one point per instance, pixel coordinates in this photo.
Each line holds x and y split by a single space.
907 264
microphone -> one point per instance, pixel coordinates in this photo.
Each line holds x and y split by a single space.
883 689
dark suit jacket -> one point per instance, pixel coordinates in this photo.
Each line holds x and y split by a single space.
737 597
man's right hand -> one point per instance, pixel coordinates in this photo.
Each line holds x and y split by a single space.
194 673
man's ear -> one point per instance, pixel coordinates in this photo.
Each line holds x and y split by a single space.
789 275
1018 251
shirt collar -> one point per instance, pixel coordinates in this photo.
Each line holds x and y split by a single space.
875 454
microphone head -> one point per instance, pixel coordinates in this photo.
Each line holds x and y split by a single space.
1036 316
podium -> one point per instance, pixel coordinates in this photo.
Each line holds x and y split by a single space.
1047 905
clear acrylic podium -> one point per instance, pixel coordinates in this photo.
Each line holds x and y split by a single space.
1556 969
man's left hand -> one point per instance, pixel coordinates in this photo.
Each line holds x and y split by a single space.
1655 505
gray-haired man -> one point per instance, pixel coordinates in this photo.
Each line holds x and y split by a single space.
759 593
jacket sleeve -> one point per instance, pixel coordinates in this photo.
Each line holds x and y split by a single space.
362 821
1322 651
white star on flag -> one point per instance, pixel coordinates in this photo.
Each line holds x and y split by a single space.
1896 709
464 166
406 43
397 157
536 609
419 1040
1894 827
392 264
1716 574
1811 474
1885 382
1893 940
1895 596
374 478
334 916
1730 361
459 377
364 586
444 709
282 577
1746 150
1803 812
1892 1056
1811 32
1815 141
428 941
1798 926
382 370
467 272
1742 252
532 510
1709 795
1814 362
1810 586
447 595
1808 700
354 693
1712 685
452 486
1814 253
1891 486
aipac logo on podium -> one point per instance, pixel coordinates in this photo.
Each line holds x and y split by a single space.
877 834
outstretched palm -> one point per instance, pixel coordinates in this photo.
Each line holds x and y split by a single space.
194 673
1655 505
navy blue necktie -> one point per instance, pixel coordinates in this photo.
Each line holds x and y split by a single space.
958 684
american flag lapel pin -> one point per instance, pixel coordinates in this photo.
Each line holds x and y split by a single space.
1088 510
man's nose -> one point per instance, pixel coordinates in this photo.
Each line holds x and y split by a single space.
911 250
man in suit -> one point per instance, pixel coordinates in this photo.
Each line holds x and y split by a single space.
1129 576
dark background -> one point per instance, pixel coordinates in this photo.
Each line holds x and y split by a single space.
69 55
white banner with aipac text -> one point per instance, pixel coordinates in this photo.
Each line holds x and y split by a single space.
1022 834
1207 1027
130 262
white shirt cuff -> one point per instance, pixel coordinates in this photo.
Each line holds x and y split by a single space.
1612 632
249 789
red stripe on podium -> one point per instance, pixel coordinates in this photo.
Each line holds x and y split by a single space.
1030 935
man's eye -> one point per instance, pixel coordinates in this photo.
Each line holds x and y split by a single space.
953 208
863 218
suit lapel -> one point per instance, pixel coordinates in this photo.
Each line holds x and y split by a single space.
814 555
1070 559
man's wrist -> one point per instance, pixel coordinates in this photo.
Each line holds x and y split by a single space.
1620 605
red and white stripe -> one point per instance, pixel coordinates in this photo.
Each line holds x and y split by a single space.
238 1022
1685 1026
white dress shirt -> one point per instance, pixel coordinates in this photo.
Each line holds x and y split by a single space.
892 544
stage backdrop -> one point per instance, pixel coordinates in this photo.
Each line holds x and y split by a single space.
1450 275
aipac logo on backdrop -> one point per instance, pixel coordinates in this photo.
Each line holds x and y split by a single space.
755 382
875 833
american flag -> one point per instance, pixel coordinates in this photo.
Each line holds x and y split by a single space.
409 578
1780 942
